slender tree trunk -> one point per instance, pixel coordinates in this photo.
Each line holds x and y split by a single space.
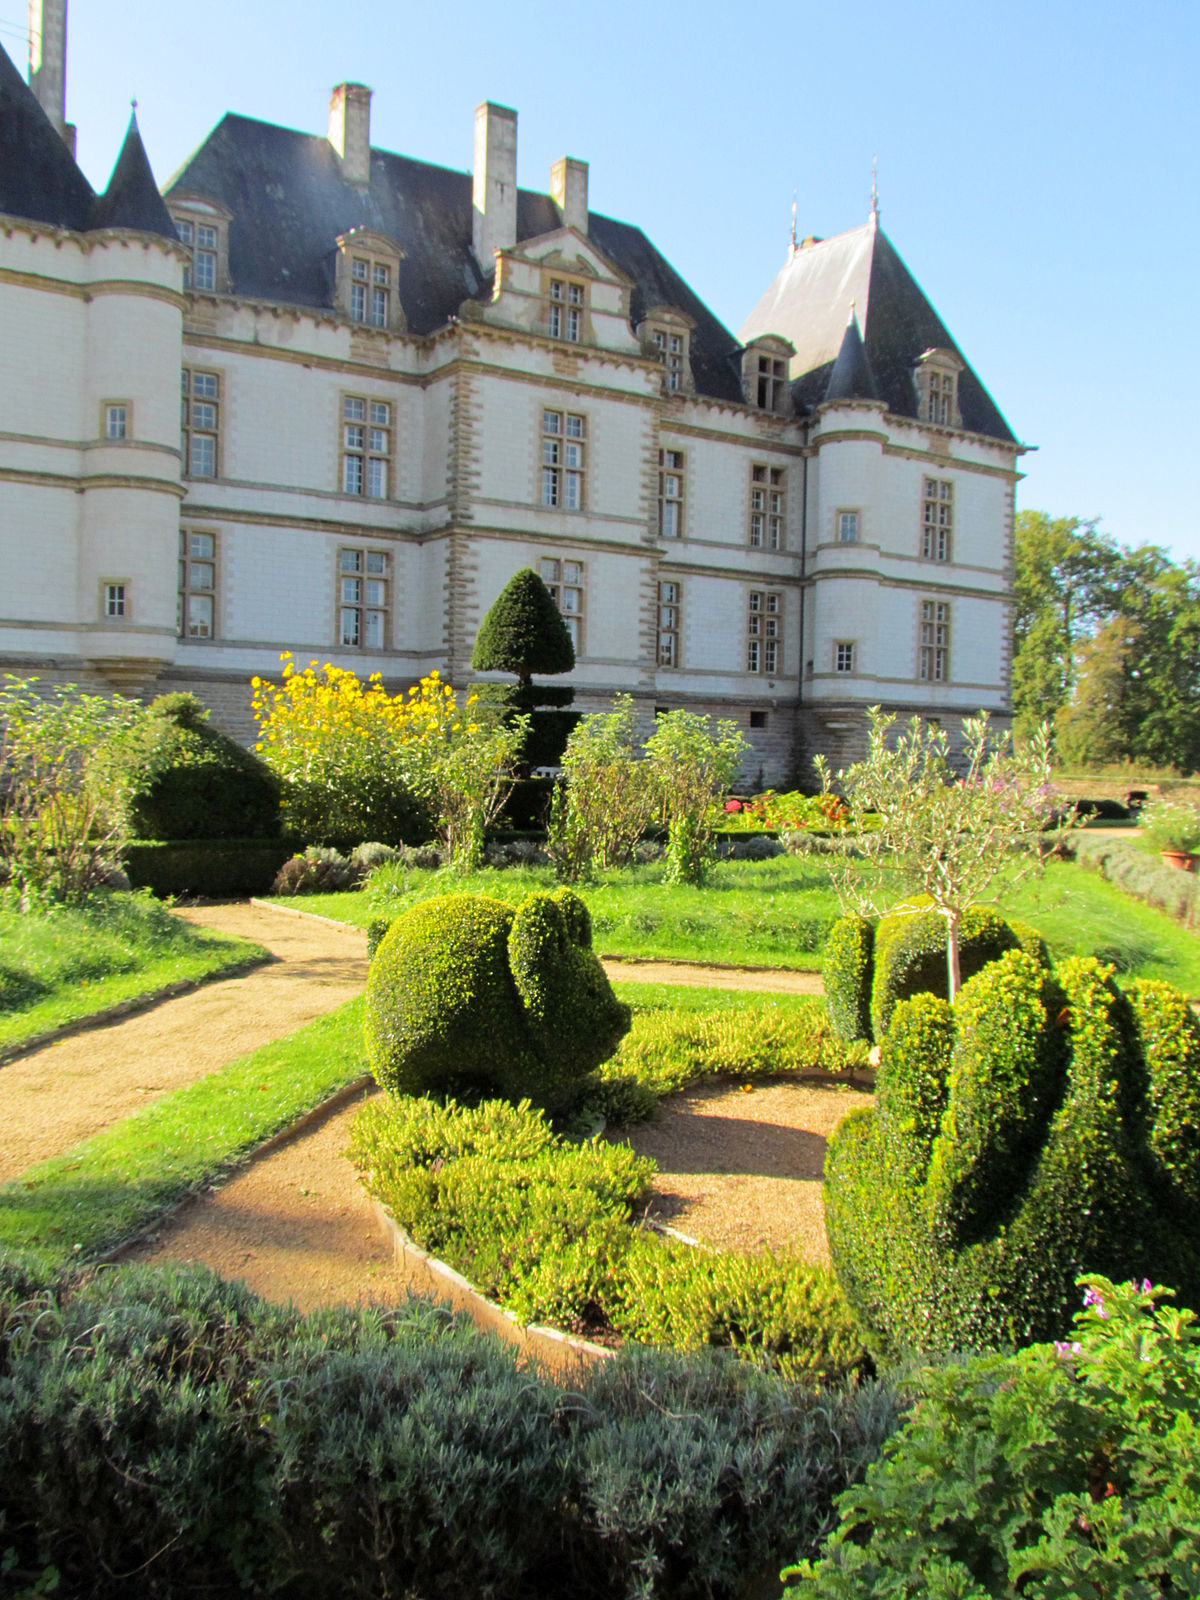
954 971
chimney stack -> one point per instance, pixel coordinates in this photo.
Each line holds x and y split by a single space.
495 188
569 191
48 63
350 130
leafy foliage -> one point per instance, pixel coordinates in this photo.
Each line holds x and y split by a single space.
186 780
691 765
1017 1142
523 632
1171 822
1068 1469
464 995
605 804
64 786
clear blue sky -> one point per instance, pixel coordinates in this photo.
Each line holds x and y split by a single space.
1038 166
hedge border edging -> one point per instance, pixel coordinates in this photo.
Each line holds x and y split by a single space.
128 1008
424 1274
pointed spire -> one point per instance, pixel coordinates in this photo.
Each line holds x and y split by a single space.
793 247
874 217
851 378
132 199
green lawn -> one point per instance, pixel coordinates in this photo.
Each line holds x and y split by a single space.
79 1204
66 963
776 914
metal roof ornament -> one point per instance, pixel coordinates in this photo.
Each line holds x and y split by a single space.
874 191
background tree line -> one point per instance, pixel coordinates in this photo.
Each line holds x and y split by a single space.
1106 645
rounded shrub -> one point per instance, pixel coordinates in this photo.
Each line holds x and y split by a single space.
186 780
1043 1127
467 995
848 968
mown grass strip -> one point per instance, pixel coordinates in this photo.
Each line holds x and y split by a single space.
82 1203
66 964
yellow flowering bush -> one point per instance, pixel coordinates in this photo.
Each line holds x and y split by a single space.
358 762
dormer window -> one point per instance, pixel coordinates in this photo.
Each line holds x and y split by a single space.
203 229
367 269
766 367
666 334
567 301
937 388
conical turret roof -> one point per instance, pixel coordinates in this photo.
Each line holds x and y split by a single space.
38 176
132 199
852 378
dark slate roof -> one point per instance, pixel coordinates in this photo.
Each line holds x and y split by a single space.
809 301
852 378
38 176
290 203
132 199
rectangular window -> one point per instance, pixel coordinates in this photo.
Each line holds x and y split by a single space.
670 494
564 312
116 600
937 519
564 460
933 661
199 422
670 596
366 446
764 631
772 380
847 527
195 616
768 506
565 581
941 398
673 349
200 272
843 656
116 420
364 601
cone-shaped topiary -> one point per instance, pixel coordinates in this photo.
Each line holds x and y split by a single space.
524 633
189 781
1045 1126
467 995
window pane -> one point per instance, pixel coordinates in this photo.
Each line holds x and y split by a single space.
379 440
204 271
351 591
203 456
358 302
204 385
379 308
349 626
574 497
202 545
551 422
351 561
200 616
373 630
354 410
381 413
376 594
203 574
574 427
354 436
573 455
382 274
376 561
377 479
352 474
358 270
550 452
670 519
549 487
572 572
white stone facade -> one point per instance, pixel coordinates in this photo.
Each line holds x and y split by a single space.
657 527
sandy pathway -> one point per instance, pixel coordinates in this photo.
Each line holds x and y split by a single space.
67 1091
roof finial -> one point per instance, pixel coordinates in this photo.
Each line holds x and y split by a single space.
794 246
875 190
133 105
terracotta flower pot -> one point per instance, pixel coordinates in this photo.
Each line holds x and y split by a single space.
1184 860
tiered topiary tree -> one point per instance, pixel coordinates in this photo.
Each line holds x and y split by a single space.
524 633
1044 1126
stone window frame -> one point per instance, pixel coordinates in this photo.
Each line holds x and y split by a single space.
367 453
933 641
841 523
845 652
191 586
116 414
665 335
189 399
669 624
190 213
936 376
363 564
766 374
376 254
937 519
763 519
562 459
672 492
566 304
116 600
764 632
566 579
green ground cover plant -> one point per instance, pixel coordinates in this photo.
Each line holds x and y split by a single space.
61 963
168 1434
1069 1469
779 913
546 1225
89 1199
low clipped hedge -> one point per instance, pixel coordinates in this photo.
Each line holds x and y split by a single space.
1045 1126
545 1226
871 965
215 869
167 1434
1129 865
469 994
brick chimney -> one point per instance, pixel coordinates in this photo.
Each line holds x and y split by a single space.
48 63
494 222
350 130
569 191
